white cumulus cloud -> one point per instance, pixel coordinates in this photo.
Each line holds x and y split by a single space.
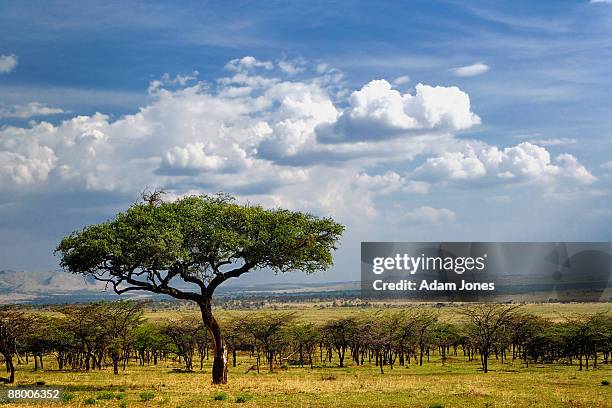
257 134
378 112
524 162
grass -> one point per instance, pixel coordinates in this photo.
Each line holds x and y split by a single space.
220 396
323 312
147 396
458 383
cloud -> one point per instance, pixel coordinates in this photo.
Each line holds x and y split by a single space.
24 162
555 141
600 1
452 166
427 215
378 112
7 63
390 182
32 109
607 166
167 81
524 162
471 70
190 159
257 133
247 63
401 80
292 67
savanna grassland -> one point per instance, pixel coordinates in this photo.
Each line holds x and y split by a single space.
455 382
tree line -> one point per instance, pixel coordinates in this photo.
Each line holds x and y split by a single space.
103 335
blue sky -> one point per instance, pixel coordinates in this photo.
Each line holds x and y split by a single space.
485 120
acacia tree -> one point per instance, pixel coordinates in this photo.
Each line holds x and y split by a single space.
338 335
266 331
486 322
119 323
184 334
14 326
159 246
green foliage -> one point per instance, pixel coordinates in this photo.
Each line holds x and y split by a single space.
192 238
605 382
147 395
220 396
89 401
242 398
105 395
436 406
67 396
123 404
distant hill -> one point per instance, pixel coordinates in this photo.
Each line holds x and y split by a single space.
63 287
24 286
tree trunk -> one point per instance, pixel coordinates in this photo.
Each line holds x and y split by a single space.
115 364
11 369
219 372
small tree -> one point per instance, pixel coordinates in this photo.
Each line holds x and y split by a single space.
184 335
338 335
14 326
266 330
157 246
119 322
487 321
304 338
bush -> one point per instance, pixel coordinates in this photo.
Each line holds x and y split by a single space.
605 382
90 401
220 396
330 377
242 398
120 396
147 396
67 397
106 395
436 406
123 404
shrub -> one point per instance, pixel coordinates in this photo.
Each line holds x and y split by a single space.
436 406
106 395
67 396
123 404
220 396
90 401
605 382
147 396
120 396
242 398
